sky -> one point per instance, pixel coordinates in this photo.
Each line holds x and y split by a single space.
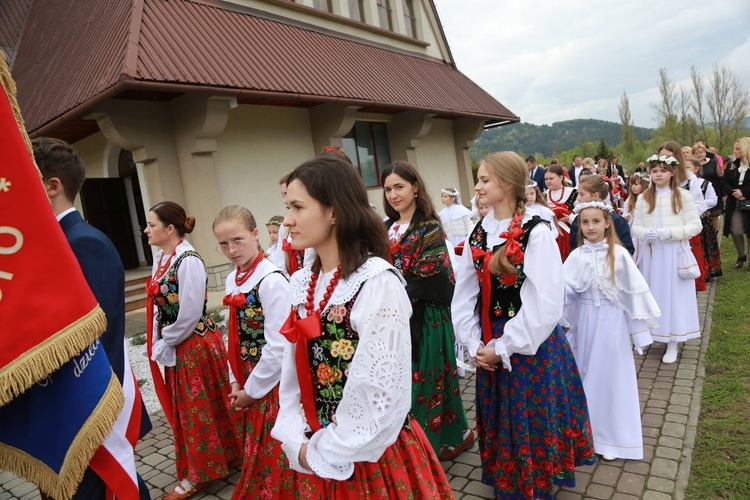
552 60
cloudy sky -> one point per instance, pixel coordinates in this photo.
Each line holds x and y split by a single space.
551 60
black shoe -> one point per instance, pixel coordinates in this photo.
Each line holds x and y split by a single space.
740 261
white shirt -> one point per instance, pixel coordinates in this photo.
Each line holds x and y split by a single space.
274 298
377 394
542 295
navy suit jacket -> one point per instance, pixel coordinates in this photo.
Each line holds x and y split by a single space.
539 178
622 228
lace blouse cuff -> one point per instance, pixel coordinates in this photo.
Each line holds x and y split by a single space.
502 351
323 468
472 348
291 450
163 353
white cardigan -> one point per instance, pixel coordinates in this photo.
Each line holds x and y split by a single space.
683 225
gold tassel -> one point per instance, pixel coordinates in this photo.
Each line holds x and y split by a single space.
96 428
48 356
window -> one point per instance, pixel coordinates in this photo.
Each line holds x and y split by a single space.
384 14
367 146
323 5
410 18
357 10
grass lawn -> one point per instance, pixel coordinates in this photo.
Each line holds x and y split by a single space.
721 459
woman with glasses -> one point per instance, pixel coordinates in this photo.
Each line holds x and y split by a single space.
185 340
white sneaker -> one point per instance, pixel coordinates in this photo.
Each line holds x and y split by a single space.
608 458
671 355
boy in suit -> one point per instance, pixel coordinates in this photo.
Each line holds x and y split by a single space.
63 174
536 172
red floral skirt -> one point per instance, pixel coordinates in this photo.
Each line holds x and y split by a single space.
409 468
265 468
696 245
206 437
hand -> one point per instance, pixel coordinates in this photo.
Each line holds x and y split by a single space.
628 217
302 458
487 359
565 219
651 235
240 400
737 193
664 233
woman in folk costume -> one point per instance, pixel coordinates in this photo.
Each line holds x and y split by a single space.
455 218
608 305
532 419
418 250
257 294
560 199
187 343
711 265
687 180
345 382
665 219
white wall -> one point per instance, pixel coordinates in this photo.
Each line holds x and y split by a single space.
436 161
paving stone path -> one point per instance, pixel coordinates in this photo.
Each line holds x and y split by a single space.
670 402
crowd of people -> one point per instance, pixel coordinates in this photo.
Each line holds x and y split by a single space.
340 377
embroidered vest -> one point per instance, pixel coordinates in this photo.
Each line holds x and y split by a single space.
330 356
505 300
168 298
251 322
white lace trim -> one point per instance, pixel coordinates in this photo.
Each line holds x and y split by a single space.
163 353
346 289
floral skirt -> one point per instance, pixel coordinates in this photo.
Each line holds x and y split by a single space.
265 468
408 469
711 252
533 422
436 395
206 437
696 245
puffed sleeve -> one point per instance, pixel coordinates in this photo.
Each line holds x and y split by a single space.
697 194
570 314
711 198
640 211
466 323
274 295
377 394
691 222
542 296
191 276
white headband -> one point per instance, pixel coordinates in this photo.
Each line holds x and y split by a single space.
592 204
530 183
455 194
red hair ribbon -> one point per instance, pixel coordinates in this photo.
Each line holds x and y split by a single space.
513 248
152 290
293 256
235 356
299 331
329 149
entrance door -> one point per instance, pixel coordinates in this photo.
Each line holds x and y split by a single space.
105 206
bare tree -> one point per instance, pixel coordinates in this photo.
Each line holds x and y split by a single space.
666 110
728 105
627 130
699 105
688 126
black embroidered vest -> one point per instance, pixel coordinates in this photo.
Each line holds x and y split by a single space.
168 298
251 323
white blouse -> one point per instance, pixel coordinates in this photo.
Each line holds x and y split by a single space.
191 277
542 295
377 394
695 190
710 197
274 298
546 214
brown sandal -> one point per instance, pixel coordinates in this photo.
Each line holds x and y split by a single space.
176 495
449 452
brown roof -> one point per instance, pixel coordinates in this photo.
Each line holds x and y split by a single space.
12 17
191 45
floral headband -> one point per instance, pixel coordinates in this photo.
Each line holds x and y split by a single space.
272 222
530 183
667 160
449 192
592 204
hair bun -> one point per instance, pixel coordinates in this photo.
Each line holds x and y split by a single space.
189 224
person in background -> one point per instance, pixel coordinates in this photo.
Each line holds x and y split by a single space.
535 205
712 172
711 264
560 199
455 218
736 187
536 172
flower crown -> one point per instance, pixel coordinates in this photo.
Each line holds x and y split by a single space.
530 183
272 222
450 192
592 204
667 160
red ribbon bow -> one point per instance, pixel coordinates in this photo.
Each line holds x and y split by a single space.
152 289
513 248
293 256
394 249
235 356
299 331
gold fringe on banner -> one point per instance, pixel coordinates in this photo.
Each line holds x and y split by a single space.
96 428
48 356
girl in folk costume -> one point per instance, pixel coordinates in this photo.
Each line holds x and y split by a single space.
665 219
639 182
455 218
535 205
257 294
560 200
711 264
187 343
608 304
532 419
345 382
687 180
418 250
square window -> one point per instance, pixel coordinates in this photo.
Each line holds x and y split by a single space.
367 146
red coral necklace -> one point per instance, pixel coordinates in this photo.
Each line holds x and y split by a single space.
242 276
161 269
326 296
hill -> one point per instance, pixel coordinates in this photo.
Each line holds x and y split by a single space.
550 140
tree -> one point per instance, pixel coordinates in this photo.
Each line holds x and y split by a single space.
603 150
666 114
728 105
687 125
698 104
626 124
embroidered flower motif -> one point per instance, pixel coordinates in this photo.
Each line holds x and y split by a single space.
318 352
253 351
508 279
164 289
325 374
337 313
342 348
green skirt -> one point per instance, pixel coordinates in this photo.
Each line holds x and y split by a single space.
436 395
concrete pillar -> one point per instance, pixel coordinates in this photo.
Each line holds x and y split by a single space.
405 132
329 123
465 131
